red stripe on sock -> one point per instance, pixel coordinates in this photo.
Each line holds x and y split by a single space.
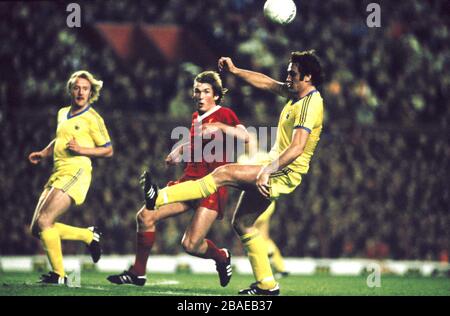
144 244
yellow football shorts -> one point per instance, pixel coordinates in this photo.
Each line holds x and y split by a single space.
281 182
74 181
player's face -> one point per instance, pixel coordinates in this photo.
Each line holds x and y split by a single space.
81 91
204 97
293 78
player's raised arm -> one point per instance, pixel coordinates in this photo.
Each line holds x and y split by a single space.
238 131
36 156
256 79
176 155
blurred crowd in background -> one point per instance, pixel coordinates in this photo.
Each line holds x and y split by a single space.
377 186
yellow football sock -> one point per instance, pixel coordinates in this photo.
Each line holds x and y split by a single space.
256 249
276 258
67 232
52 245
186 191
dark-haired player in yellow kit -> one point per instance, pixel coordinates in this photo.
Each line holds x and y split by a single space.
298 133
262 223
81 134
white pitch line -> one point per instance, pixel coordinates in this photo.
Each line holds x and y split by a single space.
167 282
177 293
164 282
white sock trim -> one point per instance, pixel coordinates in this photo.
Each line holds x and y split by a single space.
268 279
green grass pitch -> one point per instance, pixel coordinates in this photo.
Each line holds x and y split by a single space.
186 284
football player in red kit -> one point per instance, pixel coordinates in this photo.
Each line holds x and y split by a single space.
211 125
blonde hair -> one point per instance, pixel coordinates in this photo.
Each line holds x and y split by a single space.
96 85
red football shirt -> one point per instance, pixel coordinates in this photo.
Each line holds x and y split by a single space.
203 158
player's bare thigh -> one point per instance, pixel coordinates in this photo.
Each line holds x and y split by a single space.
33 227
236 175
147 219
194 237
53 204
250 206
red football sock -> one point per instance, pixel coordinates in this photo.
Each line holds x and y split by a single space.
144 243
212 252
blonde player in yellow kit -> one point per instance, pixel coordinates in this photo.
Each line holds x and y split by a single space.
81 134
298 133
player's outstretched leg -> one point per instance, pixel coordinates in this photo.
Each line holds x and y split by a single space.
185 191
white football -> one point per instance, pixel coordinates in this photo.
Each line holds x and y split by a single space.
280 11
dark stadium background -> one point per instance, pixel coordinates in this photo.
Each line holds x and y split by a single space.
377 186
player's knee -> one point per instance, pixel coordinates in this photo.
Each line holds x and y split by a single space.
145 219
241 224
43 222
222 174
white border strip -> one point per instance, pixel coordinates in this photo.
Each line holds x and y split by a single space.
241 265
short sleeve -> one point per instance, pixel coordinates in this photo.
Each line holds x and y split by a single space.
309 113
99 132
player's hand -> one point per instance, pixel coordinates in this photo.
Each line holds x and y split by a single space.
262 183
226 64
36 157
174 158
73 146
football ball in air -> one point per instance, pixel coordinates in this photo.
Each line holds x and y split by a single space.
280 11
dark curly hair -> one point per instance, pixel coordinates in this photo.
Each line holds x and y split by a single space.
308 64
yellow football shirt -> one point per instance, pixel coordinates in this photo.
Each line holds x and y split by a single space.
306 113
89 130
